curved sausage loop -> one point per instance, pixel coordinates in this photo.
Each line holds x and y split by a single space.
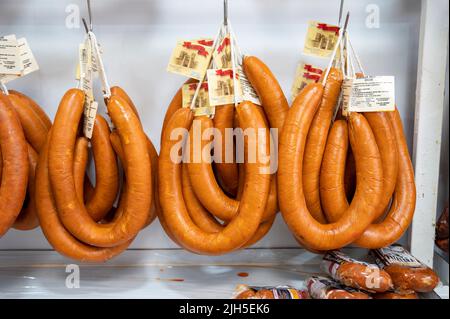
27 219
60 239
316 142
72 212
403 206
241 229
292 201
269 91
13 187
35 107
333 193
106 187
227 173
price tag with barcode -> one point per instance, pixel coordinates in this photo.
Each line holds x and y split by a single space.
321 39
370 94
190 58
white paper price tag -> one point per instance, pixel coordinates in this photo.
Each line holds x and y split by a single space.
90 112
248 92
372 94
10 62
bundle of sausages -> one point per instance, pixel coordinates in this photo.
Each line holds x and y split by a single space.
23 130
213 216
337 179
80 220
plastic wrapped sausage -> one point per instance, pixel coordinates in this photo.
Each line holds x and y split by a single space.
279 292
356 274
407 272
324 288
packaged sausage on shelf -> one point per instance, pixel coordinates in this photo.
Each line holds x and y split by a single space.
325 288
356 274
407 272
278 292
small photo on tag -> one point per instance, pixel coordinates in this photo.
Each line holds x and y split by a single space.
321 39
189 58
222 56
221 86
188 92
304 75
372 94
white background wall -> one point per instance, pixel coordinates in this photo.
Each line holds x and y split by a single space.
138 36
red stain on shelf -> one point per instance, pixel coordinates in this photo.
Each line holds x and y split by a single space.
243 274
171 279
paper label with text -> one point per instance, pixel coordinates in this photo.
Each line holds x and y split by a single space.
304 75
321 39
90 113
221 86
27 61
370 94
248 92
191 59
10 61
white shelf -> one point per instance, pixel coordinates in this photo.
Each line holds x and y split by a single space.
156 273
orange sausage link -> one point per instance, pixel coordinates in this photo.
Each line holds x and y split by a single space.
36 108
27 219
81 157
227 173
35 131
72 212
240 230
60 239
332 184
268 89
402 209
13 146
106 171
202 176
316 142
175 104
152 153
292 201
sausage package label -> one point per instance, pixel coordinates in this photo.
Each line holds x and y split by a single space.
369 94
396 255
221 86
190 58
202 106
27 61
320 287
304 75
222 56
321 39
278 292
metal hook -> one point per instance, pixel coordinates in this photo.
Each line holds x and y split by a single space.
347 18
91 26
341 11
225 12
85 25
